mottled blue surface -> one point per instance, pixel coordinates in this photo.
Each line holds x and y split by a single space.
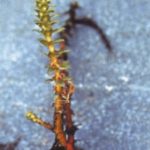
112 99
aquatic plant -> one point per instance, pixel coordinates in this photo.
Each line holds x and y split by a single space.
62 126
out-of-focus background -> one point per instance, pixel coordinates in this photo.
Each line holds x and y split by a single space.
112 99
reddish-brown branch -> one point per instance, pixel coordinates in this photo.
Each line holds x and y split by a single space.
67 93
70 128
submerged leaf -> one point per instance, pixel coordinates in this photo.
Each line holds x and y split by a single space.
58 30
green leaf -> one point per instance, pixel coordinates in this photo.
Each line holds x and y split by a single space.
58 30
39 31
67 79
44 42
53 22
65 65
43 53
61 52
58 40
51 11
49 80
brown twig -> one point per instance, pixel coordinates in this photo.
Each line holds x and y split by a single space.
73 20
91 23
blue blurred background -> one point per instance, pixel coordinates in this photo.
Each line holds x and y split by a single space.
112 99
